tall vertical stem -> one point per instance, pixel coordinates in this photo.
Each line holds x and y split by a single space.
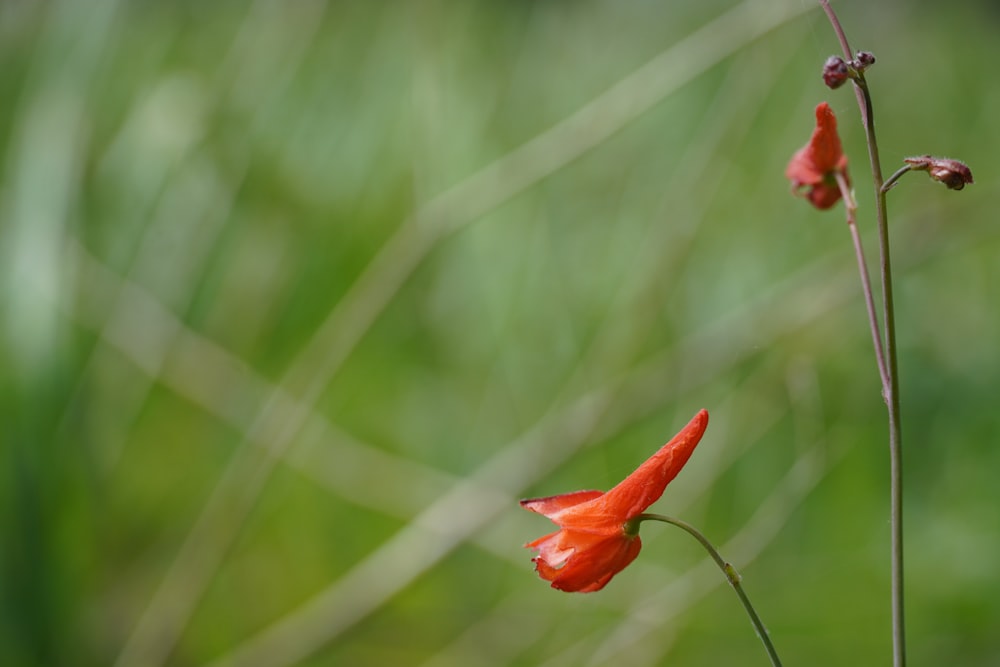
892 398
892 395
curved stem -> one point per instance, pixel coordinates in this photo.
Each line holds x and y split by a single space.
891 181
892 396
732 576
837 28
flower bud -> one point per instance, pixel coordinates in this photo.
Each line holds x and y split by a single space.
863 60
835 72
953 173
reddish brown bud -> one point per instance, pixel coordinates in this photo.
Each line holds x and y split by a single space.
863 60
953 173
835 72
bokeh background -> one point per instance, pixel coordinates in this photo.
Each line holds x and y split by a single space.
298 299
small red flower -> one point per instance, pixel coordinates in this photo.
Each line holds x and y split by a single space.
816 164
597 537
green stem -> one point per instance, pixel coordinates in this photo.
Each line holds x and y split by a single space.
892 395
892 399
851 206
731 574
891 181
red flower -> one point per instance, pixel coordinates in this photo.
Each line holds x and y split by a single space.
816 164
597 536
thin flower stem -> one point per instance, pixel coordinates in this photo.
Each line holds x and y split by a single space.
891 181
892 399
848 56
866 282
892 396
732 576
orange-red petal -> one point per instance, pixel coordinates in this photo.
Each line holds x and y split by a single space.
827 152
639 490
554 504
816 164
582 562
592 546
802 170
824 196
645 486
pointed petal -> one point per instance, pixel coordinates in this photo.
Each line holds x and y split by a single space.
553 504
644 486
827 153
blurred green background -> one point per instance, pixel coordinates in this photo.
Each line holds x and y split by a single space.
298 299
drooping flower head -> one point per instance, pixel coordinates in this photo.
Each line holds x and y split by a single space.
955 174
597 537
816 164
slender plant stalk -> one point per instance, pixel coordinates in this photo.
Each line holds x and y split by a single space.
891 181
734 578
859 253
892 395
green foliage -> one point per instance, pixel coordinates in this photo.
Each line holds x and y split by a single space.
298 299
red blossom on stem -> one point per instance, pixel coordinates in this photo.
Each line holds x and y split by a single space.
816 164
598 532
